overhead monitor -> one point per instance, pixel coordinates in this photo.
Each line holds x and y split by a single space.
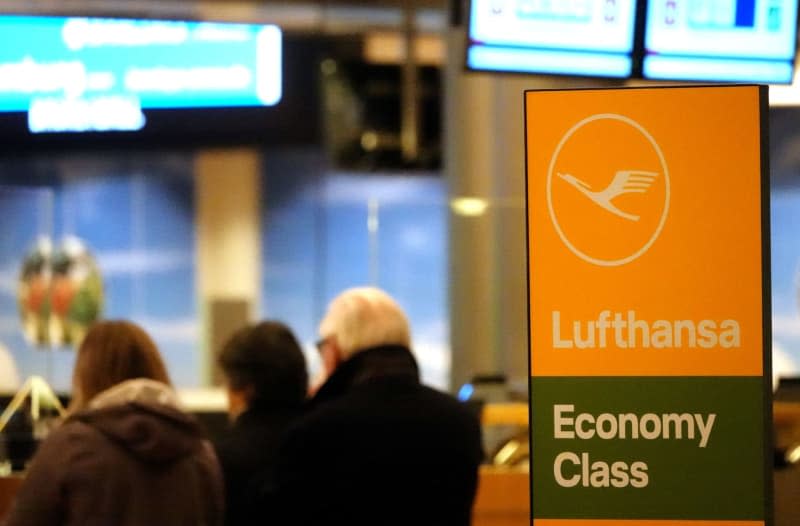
559 37
100 74
720 40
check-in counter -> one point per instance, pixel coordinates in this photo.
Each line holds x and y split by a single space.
786 478
504 494
503 497
8 490
786 422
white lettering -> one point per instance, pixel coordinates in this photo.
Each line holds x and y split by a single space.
80 115
730 334
54 78
649 426
655 430
560 421
558 472
603 326
176 80
705 427
606 426
639 478
78 33
633 423
583 433
628 332
597 473
708 335
675 420
558 343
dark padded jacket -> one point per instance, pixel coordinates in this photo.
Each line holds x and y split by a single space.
247 453
132 459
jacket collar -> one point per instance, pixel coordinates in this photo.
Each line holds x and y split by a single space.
387 361
141 390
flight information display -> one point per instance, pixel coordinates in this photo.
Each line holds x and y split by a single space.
720 40
562 37
99 74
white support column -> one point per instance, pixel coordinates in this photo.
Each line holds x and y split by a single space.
228 230
485 159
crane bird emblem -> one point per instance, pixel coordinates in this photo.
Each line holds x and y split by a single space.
624 182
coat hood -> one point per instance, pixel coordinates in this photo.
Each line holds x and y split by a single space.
143 416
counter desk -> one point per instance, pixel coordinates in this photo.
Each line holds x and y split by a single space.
504 493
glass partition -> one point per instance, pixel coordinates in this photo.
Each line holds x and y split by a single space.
133 215
324 232
26 226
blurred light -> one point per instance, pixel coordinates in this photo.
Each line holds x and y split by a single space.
388 47
469 206
372 216
204 399
343 18
465 393
328 66
495 58
793 455
506 452
369 140
783 95
716 70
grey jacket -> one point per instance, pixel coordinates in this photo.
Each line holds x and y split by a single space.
132 458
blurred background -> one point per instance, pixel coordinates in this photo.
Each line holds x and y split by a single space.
194 165
211 163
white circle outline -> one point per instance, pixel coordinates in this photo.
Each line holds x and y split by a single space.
573 249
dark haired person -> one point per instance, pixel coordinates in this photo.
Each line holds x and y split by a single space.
266 378
127 455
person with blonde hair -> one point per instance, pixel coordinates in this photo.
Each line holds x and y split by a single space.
127 454
375 445
359 319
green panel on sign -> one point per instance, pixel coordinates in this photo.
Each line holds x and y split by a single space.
649 472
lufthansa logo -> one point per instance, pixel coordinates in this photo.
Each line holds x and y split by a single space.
608 189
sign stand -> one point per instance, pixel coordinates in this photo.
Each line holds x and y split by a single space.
649 306
41 397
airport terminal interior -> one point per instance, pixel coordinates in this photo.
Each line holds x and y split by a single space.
383 144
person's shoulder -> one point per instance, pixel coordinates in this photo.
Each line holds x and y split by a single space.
235 448
253 431
321 414
72 431
440 396
322 421
353 407
228 440
207 455
435 399
68 442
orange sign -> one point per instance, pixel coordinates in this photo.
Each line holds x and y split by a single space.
639 263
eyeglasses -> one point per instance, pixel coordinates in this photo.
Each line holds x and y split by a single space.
321 343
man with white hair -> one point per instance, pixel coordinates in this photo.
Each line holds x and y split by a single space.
376 446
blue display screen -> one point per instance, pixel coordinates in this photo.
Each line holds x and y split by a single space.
720 40
562 37
98 74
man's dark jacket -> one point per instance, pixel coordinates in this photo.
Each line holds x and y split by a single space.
247 455
379 448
